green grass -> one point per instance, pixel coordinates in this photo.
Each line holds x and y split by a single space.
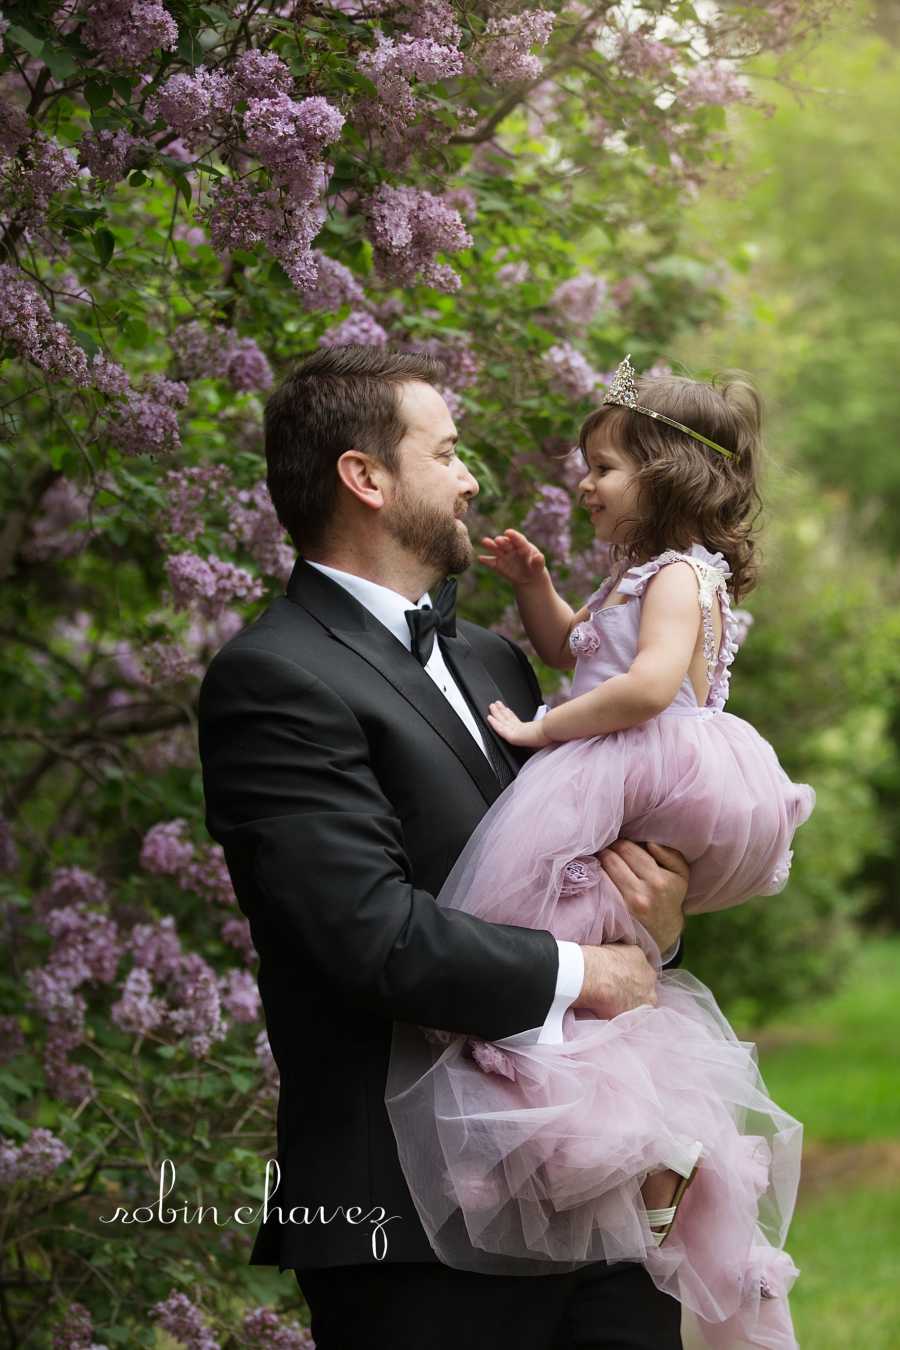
836 1067
848 1293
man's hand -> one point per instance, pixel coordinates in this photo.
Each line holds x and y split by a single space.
617 978
653 882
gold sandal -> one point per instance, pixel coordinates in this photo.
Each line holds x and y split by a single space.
661 1220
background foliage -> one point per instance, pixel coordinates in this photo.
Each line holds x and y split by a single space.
191 196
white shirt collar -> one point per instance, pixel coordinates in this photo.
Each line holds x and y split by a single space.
389 607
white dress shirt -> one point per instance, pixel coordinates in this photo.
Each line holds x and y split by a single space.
389 608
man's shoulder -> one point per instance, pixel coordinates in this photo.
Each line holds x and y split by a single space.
283 632
488 642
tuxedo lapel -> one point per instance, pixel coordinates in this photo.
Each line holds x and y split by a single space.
478 684
351 624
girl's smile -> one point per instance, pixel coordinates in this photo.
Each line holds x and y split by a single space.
608 488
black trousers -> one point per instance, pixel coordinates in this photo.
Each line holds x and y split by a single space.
417 1306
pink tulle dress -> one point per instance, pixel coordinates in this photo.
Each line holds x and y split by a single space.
529 1158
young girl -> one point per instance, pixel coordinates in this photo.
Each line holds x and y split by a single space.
648 1136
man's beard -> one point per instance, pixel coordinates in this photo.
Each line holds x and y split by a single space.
429 533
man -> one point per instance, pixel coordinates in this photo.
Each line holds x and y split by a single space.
346 761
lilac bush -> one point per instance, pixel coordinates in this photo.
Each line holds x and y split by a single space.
191 197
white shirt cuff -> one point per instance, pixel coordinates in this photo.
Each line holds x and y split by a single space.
666 957
569 982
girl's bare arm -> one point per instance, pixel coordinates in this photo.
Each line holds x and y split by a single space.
668 635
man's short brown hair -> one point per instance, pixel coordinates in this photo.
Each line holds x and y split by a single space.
339 399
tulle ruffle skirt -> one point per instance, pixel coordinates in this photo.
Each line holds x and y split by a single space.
528 1159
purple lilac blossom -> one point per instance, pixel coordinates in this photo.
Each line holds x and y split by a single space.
263 1329
622 291
392 64
43 169
235 932
35 1160
28 326
579 298
433 19
261 74
137 1011
716 84
108 377
644 56
68 886
253 523
125 35
182 1320
14 129
247 369
76 1331
506 55
743 623
408 227
207 585
109 154
208 876
186 493
569 371
192 104
266 1058
166 850
168 663
285 134
549 522
87 944
461 367
335 285
146 422
359 328
197 1015
200 350
513 273
62 506
156 947
240 995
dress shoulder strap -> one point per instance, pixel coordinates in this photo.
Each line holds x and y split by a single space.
712 573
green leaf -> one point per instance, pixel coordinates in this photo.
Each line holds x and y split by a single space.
97 93
136 332
23 38
59 62
11 1124
138 179
85 340
104 242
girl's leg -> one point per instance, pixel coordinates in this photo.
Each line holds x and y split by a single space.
662 1193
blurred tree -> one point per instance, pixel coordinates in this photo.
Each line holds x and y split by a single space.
806 221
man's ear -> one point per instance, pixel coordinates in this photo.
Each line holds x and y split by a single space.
363 477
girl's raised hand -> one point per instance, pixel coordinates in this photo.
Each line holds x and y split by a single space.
514 557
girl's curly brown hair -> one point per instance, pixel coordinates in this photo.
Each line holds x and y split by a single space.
688 492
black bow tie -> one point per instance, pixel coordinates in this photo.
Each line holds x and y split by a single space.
424 623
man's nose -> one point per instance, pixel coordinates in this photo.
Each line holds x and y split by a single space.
471 489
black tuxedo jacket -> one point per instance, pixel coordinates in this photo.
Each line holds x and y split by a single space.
343 787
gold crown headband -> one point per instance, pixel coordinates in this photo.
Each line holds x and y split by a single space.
623 393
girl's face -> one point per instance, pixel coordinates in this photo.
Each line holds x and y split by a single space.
608 489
